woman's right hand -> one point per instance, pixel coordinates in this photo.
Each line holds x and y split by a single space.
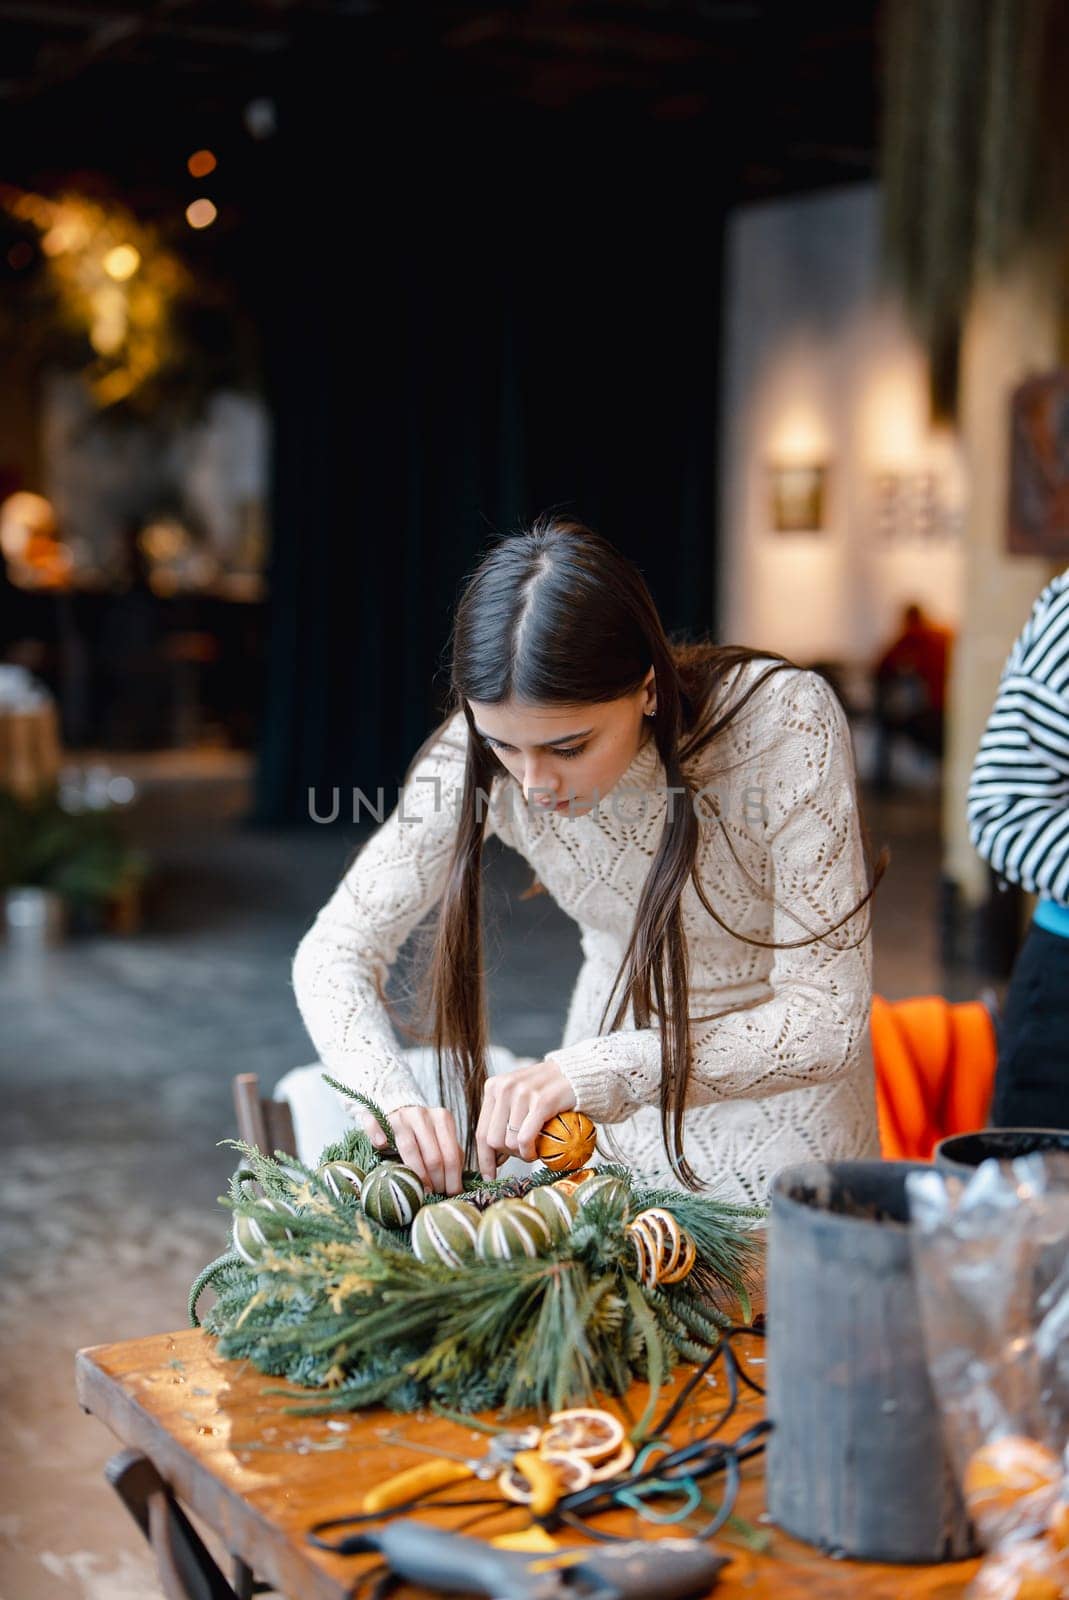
426 1141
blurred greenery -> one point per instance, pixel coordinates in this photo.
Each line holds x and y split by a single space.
82 856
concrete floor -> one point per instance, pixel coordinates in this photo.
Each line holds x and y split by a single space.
117 1057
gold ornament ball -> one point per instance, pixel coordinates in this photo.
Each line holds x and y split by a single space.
567 1142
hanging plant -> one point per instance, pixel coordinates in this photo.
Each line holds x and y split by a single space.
975 155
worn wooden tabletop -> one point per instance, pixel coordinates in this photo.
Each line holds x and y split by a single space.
260 1477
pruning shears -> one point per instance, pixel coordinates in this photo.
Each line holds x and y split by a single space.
414 1483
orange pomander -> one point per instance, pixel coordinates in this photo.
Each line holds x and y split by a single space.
1011 1486
566 1142
1058 1530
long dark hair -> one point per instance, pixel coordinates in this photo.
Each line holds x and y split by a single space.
556 615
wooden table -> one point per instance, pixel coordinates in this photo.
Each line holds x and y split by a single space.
30 754
259 1477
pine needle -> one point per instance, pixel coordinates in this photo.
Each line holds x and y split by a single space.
362 1099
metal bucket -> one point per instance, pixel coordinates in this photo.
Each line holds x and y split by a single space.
962 1153
856 1463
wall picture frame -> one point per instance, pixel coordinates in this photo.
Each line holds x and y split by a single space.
798 497
1038 510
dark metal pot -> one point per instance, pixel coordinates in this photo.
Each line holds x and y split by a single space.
962 1153
856 1463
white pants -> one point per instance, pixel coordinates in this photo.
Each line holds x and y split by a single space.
319 1113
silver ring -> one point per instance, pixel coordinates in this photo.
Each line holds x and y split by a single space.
510 1129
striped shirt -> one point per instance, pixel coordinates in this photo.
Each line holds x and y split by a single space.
1018 804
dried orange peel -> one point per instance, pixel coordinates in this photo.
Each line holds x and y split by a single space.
533 1480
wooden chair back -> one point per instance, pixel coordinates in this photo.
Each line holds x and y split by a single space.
267 1124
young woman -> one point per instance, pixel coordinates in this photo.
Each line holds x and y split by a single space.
694 809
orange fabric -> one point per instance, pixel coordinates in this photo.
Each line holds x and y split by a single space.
935 1072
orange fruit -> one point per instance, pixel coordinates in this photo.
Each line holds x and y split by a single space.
1025 1571
1010 1486
566 1142
1058 1527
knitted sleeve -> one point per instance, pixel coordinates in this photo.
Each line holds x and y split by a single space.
397 878
792 814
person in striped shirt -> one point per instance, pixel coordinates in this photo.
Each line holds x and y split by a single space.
1018 811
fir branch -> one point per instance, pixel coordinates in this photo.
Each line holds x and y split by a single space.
241 1176
354 1148
201 1282
704 1320
646 1326
737 1530
482 1192
276 1174
476 1424
362 1099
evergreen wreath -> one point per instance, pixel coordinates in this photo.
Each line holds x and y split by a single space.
318 1292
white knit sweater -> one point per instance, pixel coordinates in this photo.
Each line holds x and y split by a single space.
782 1072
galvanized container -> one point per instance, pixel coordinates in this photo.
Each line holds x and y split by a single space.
856 1463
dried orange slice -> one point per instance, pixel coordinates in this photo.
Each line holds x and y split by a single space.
686 1264
573 1472
646 1267
583 1431
617 1463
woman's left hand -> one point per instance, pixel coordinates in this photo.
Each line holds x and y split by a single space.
516 1107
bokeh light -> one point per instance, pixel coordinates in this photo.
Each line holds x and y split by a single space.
201 213
121 262
113 279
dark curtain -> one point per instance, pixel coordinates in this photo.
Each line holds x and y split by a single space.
470 318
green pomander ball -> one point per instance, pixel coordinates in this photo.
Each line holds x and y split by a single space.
253 1235
510 1229
445 1232
341 1178
555 1206
605 1190
392 1194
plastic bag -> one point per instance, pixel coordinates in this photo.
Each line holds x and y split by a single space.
991 1264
